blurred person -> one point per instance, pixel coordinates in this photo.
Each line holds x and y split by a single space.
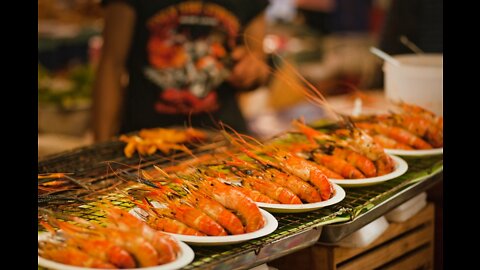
185 62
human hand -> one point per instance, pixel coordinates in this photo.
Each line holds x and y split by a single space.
250 69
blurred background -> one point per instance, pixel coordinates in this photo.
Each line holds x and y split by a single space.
69 44
325 41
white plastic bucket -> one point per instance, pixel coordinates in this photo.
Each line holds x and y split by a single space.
417 80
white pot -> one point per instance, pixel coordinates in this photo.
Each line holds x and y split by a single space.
417 80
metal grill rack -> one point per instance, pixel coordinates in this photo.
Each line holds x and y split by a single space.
93 165
295 231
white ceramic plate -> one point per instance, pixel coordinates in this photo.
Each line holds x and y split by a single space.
271 225
184 258
426 152
401 167
299 208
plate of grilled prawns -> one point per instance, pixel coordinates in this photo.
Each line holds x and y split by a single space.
337 195
409 130
399 168
197 208
219 227
343 153
125 243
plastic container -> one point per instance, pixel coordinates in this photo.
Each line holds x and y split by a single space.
408 209
418 80
366 235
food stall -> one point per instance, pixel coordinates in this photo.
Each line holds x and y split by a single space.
296 194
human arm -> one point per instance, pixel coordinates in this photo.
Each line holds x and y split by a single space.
108 92
250 69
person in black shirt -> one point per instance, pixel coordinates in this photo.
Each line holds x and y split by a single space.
185 61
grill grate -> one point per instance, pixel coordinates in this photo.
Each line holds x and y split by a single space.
94 164
87 163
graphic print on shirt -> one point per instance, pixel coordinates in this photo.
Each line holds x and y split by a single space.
188 55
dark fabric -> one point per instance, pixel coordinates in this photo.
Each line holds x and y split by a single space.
421 21
350 16
179 60
131 3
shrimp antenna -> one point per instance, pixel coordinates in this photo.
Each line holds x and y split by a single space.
239 137
311 92
161 171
